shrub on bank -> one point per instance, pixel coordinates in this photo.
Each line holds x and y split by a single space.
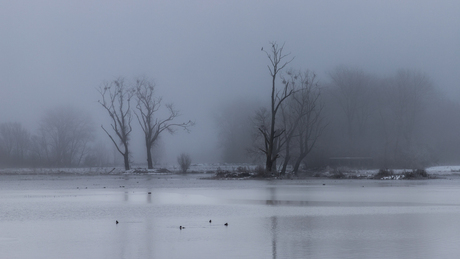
337 174
416 174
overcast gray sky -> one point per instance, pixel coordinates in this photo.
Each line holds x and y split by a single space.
202 53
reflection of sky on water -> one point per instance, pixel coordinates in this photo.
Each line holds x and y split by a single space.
266 219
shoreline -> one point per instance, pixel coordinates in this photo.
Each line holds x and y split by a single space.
238 172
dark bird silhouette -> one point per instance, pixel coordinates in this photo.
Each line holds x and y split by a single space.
210 221
116 221
262 49
226 224
181 227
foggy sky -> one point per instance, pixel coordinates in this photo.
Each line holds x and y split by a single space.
203 53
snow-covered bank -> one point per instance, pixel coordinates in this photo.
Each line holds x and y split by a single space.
213 168
46 171
194 168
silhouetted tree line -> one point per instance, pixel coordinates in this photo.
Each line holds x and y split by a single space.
64 137
400 121
353 118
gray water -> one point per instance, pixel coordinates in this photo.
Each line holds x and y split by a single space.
74 217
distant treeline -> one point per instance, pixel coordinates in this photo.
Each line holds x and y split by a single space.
399 121
65 137
353 118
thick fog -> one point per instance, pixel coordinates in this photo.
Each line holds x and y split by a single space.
205 56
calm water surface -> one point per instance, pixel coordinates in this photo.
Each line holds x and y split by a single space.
74 217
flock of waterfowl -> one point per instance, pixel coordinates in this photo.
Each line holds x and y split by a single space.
210 221
180 227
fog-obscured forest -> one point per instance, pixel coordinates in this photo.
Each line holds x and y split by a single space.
137 84
401 120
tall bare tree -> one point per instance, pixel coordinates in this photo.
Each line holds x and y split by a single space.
116 100
308 108
301 117
147 107
65 133
289 119
278 96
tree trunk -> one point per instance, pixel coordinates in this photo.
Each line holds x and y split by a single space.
126 157
126 160
271 144
297 163
268 164
285 164
286 160
149 157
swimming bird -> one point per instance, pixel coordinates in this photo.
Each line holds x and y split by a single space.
226 224
181 227
210 221
116 221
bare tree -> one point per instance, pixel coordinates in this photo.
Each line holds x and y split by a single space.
147 107
65 133
301 117
309 109
271 134
352 93
116 100
98 155
260 121
38 150
289 119
184 162
408 98
158 151
14 142
235 129
383 120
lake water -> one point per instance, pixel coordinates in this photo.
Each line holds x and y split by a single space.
71 216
